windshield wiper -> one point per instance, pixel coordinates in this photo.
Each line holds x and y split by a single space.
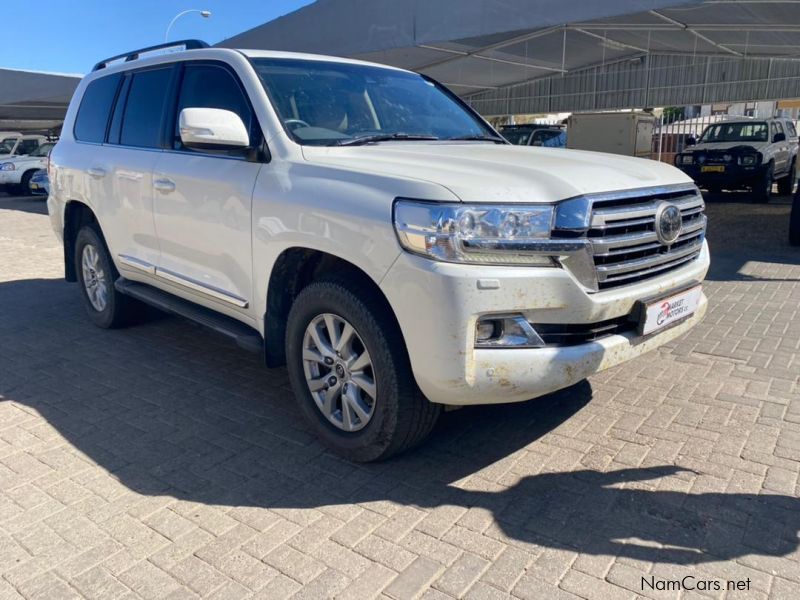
480 138
383 137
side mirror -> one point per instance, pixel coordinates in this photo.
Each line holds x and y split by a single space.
779 137
691 141
212 129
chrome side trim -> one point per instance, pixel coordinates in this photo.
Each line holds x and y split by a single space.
202 288
137 263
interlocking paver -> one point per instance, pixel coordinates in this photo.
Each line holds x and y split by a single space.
160 461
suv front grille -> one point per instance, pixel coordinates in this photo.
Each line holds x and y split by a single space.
625 246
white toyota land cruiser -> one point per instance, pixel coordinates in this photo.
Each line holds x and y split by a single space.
363 226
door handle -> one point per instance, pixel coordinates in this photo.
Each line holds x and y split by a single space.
96 172
164 185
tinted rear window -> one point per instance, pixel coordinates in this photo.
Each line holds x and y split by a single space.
144 109
90 125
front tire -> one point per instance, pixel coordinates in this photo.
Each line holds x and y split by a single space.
25 184
762 191
351 375
105 306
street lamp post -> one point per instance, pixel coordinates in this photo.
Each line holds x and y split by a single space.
203 13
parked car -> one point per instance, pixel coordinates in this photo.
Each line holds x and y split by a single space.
40 184
552 136
744 154
16 172
363 226
16 144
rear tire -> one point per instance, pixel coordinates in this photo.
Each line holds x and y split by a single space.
398 416
105 306
794 221
786 184
762 191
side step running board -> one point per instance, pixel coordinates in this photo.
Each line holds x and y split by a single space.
244 336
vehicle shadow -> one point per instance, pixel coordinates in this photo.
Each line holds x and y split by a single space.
169 408
741 232
31 204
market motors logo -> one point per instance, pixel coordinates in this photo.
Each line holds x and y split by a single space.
671 310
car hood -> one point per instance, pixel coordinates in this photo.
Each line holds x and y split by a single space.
726 146
482 172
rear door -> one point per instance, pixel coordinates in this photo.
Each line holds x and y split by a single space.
203 198
125 168
781 148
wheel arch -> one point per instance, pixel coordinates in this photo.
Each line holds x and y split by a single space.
76 215
294 269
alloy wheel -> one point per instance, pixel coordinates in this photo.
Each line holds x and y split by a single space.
339 372
95 281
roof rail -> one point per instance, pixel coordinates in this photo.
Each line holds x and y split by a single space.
134 55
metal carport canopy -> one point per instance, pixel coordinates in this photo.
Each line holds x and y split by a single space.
540 55
31 100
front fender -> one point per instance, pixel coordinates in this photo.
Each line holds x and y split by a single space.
342 212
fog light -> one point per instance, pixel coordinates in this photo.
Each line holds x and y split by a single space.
488 329
506 331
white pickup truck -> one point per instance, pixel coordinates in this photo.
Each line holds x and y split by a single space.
363 226
16 171
13 143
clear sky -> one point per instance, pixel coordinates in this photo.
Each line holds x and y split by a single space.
69 36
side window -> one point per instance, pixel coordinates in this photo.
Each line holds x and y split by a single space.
209 86
144 108
92 119
26 147
791 129
778 127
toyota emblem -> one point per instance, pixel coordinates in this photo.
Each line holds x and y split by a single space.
669 223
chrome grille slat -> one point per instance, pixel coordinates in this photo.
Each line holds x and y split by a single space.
606 245
625 247
652 271
602 216
604 271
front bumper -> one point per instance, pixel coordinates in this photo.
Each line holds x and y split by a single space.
438 304
734 176
9 177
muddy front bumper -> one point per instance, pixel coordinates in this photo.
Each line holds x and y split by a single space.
438 305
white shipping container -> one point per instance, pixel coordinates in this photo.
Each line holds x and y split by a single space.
628 133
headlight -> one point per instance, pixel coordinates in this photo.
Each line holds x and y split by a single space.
686 159
487 234
7 167
747 160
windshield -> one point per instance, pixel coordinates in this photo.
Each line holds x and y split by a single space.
326 103
735 132
518 137
42 150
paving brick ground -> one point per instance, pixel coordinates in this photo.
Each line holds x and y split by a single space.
162 462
